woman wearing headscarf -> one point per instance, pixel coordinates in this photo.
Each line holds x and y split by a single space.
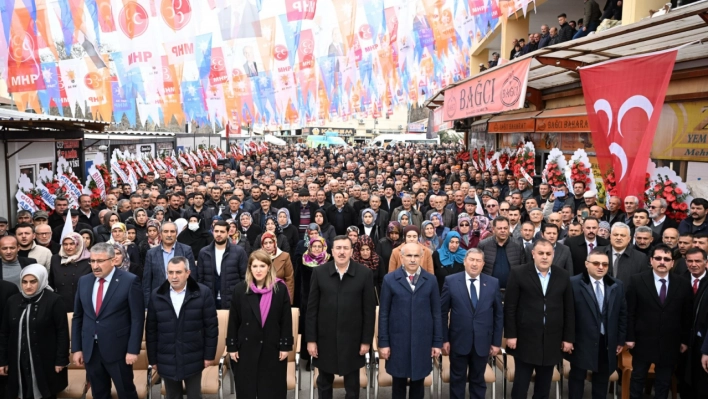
271 226
327 230
88 237
449 259
404 218
411 234
282 264
102 232
369 226
394 238
34 338
261 368
287 228
364 252
428 238
119 235
315 256
482 225
469 238
237 238
181 224
70 264
440 229
195 235
152 238
140 219
247 229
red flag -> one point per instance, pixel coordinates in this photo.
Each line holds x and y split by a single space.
623 109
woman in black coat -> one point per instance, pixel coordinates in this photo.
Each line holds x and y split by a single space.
102 232
34 338
259 336
289 230
249 230
386 245
195 236
67 267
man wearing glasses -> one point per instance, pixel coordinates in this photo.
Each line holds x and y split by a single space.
659 322
492 209
600 326
108 325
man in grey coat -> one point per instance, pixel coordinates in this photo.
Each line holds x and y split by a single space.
156 259
625 260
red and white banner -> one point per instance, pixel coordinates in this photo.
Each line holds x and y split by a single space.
623 109
503 89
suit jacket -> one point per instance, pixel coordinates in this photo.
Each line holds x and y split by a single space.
562 258
658 329
409 323
484 324
699 325
118 325
251 69
525 308
334 50
339 338
579 251
154 270
630 263
588 318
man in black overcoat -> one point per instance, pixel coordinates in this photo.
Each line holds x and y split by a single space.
340 319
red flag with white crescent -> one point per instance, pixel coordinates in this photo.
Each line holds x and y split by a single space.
623 109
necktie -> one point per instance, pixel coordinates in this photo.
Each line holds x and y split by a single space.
473 293
99 294
600 301
411 278
527 244
695 285
592 246
615 264
662 291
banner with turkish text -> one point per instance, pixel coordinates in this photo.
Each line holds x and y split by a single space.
623 109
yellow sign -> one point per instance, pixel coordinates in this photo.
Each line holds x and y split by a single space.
682 133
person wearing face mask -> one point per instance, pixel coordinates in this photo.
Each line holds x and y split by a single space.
194 235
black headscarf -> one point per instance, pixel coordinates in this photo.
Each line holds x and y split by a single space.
325 222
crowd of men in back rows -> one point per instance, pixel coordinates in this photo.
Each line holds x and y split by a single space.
424 195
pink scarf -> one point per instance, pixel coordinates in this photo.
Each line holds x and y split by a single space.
266 298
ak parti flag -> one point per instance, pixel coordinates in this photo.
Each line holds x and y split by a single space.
623 108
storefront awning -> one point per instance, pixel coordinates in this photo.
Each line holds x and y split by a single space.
480 125
563 120
521 122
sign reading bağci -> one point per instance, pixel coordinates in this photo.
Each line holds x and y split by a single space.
502 89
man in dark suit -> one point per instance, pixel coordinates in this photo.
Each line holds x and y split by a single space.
390 200
582 245
625 260
659 221
108 325
155 268
475 324
410 297
338 344
7 289
382 217
249 67
659 322
561 254
539 320
614 213
600 326
695 378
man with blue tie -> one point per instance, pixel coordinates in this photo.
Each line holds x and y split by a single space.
659 318
108 325
476 319
600 326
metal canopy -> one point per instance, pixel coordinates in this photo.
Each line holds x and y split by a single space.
555 66
24 120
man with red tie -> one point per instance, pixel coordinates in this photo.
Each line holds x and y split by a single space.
695 379
108 325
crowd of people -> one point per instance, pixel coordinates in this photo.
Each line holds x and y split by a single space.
456 259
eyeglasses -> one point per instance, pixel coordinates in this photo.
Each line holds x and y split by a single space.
503 209
98 261
491 206
654 207
660 258
598 264
464 225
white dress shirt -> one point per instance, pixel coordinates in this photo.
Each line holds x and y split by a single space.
177 298
693 279
659 222
415 277
594 286
594 244
105 288
476 285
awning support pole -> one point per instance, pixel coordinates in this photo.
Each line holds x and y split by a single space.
13 154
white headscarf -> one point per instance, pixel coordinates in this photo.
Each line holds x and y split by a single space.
181 223
40 272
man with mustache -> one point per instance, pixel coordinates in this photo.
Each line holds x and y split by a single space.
696 222
659 322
